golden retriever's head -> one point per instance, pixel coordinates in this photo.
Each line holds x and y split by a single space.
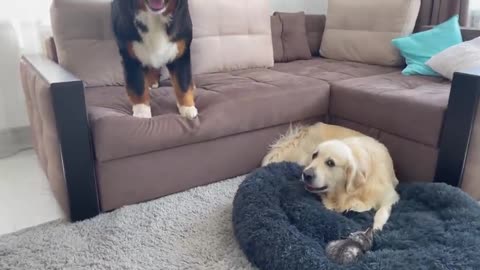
333 167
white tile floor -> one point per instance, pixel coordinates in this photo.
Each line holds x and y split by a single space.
25 196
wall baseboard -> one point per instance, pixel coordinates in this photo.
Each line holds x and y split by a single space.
15 140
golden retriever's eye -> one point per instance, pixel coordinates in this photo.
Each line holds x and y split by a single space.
315 155
330 163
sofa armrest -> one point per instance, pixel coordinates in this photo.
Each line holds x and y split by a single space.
65 93
458 127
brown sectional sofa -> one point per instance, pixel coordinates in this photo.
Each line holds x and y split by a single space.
380 101
99 158
232 105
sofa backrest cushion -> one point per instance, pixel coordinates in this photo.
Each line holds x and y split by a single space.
230 35
289 35
470 33
362 31
84 41
315 28
277 26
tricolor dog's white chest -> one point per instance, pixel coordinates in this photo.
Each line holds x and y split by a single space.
155 50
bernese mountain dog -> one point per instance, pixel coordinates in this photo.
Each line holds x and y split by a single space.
151 34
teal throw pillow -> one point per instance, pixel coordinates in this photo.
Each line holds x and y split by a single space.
418 48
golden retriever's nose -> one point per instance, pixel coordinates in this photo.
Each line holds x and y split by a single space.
308 175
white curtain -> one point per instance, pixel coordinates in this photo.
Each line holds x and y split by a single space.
308 6
475 13
24 25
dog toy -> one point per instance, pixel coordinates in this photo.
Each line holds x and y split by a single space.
349 250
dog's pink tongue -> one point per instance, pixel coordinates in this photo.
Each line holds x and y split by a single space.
156 4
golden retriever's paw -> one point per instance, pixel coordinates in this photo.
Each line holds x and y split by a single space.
330 206
142 111
189 112
360 207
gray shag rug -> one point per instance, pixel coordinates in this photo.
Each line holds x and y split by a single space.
190 230
281 226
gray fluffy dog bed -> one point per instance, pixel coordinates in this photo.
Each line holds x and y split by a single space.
281 226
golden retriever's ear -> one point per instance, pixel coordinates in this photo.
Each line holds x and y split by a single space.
355 177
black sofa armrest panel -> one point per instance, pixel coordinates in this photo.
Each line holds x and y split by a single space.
68 101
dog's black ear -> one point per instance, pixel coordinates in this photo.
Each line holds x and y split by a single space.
181 25
180 6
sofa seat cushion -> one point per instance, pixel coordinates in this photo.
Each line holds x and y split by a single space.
229 103
331 70
411 107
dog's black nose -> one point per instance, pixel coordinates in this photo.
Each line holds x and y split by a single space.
308 175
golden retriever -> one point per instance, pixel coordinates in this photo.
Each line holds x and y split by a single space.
348 170
299 142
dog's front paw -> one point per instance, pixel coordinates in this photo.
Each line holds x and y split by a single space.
189 112
142 111
359 207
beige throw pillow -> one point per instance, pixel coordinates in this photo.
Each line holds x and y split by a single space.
457 58
362 31
230 35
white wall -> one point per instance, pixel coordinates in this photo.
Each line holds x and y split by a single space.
20 22
308 6
475 13
12 102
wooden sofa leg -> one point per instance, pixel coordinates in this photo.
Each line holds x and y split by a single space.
458 126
